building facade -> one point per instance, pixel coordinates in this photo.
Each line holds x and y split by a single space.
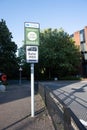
80 38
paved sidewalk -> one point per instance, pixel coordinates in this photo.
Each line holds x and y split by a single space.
15 110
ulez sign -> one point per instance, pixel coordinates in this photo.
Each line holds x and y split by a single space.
31 39
31 33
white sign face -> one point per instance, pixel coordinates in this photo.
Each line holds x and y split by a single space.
32 54
32 36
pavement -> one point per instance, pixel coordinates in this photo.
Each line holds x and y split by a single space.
74 95
15 110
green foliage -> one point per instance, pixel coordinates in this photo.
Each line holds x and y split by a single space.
58 54
21 53
25 66
8 60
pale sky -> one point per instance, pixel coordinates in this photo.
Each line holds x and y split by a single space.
71 15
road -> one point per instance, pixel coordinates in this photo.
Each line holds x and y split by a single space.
73 94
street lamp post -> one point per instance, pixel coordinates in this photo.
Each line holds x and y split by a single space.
20 70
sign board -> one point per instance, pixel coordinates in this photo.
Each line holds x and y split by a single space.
31 33
32 54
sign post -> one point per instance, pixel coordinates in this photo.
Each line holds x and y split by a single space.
20 70
32 42
32 90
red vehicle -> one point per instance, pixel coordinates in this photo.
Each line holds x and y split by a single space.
3 77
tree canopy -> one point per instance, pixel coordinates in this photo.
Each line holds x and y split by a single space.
8 48
58 54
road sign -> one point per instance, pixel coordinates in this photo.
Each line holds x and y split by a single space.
32 54
31 33
31 39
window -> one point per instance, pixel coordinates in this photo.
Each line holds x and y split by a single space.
83 47
82 38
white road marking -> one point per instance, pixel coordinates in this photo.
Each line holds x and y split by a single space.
83 122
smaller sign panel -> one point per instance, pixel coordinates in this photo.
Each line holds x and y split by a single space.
32 54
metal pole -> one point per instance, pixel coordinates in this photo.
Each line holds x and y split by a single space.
20 70
20 78
32 90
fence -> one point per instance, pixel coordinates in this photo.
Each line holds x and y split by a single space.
62 116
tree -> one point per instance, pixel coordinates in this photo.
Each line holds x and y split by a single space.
22 54
25 66
8 48
58 54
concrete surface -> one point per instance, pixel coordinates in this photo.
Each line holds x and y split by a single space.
74 95
15 110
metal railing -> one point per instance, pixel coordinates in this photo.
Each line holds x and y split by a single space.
62 116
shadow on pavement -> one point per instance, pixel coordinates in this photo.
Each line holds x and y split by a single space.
71 97
17 123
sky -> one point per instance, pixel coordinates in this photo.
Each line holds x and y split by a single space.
71 15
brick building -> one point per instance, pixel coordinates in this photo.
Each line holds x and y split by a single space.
80 38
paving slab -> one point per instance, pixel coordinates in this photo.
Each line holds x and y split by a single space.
15 110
